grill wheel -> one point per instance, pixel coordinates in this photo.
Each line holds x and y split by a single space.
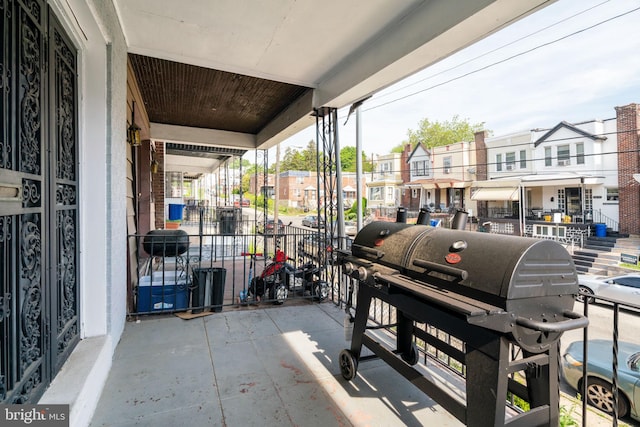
348 365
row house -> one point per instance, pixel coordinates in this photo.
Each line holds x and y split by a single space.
384 189
438 179
573 173
299 189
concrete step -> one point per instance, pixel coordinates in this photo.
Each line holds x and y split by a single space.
601 241
582 264
582 269
598 247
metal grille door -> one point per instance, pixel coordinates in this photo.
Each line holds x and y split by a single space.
38 200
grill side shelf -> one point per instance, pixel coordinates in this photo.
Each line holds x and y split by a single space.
451 300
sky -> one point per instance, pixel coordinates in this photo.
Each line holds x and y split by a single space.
533 74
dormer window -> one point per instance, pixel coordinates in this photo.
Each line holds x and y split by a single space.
564 155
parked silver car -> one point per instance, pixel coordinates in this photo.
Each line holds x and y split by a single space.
625 288
599 372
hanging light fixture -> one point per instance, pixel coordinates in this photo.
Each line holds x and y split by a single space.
133 132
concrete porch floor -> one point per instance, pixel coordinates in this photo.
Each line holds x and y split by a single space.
264 367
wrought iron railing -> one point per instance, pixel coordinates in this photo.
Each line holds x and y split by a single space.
216 270
601 218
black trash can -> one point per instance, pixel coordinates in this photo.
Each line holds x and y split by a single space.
227 219
208 289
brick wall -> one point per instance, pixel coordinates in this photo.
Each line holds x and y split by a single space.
628 118
158 186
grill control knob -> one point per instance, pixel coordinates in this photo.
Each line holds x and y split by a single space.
347 268
361 273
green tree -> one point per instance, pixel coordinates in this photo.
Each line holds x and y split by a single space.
237 161
348 160
435 134
299 160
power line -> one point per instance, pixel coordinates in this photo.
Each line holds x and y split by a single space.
495 49
506 59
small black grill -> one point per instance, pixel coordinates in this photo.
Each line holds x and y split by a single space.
490 291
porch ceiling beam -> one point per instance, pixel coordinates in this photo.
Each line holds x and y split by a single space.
293 119
191 165
429 33
191 135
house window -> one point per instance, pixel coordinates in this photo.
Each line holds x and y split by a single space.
561 199
375 193
446 162
498 162
385 168
414 193
547 156
580 153
389 193
523 159
419 168
612 194
510 160
563 155
588 203
296 192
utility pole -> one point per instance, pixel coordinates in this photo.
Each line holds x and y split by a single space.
358 169
277 192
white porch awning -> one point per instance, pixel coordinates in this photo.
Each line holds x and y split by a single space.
496 193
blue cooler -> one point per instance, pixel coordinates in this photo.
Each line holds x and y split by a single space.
163 292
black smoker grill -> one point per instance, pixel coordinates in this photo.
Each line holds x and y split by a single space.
489 291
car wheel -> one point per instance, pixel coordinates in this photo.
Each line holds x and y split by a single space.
600 395
584 290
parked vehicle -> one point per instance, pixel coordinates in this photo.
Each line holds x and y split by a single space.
599 373
243 203
305 279
269 227
625 288
272 281
312 221
350 228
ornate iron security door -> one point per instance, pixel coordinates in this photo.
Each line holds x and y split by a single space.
38 200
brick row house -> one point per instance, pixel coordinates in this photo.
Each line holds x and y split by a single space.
439 178
573 173
299 189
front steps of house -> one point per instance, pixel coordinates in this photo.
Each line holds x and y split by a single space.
601 255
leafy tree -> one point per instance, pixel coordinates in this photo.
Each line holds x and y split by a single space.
299 160
348 160
435 134
236 161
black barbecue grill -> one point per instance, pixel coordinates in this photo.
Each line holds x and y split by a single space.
492 292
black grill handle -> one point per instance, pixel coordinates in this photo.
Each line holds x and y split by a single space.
440 268
376 253
574 321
